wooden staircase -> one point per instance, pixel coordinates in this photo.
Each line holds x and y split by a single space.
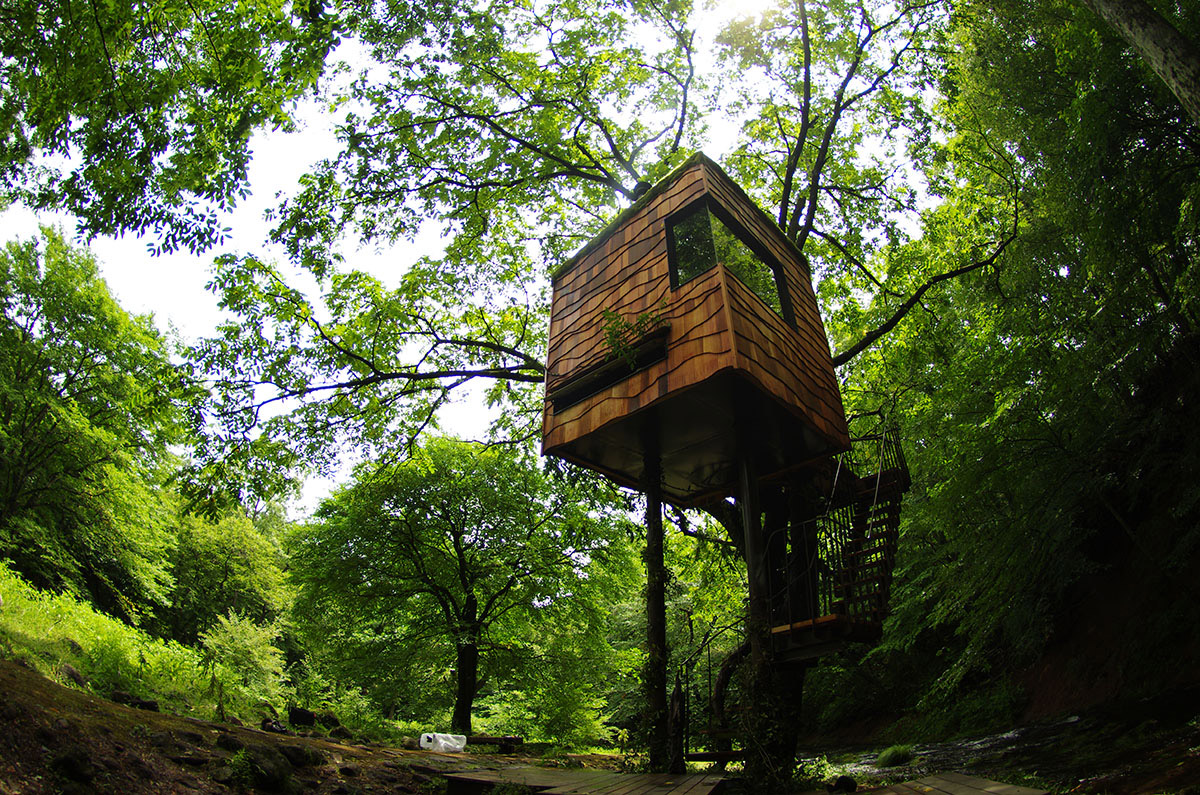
857 539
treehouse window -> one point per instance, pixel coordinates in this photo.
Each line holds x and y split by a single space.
698 240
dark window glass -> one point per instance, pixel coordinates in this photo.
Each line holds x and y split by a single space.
699 240
693 242
745 264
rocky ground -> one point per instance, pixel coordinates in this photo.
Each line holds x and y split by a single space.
1133 748
55 739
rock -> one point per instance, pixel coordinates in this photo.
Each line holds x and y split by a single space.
410 744
72 673
341 733
843 784
223 775
192 737
274 726
229 742
348 770
328 720
74 647
269 769
73 763
299 716
161 739
302 755
137 702
232 721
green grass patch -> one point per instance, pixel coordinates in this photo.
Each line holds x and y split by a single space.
894 756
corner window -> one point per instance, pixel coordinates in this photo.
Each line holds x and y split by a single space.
697 239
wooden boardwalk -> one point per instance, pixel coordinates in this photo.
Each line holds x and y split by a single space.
558 781
956 784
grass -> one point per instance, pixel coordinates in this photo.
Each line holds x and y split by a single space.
894 756
50 631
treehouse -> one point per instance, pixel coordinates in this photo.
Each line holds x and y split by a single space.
689 327
687 354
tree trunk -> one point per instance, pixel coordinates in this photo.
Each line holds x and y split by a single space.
654 678
468 673
676 724
773 689
468 670
1172 56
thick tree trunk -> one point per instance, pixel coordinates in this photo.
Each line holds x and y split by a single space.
768 762
1172 56
468 678
773 689
654 678
468 670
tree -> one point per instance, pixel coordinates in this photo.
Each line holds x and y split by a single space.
137 117
1174 57
1034 396
521 131
448 554
220 568
88 406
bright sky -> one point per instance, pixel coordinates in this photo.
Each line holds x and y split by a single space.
172 287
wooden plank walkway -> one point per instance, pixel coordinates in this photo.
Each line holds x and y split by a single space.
559 781
956 784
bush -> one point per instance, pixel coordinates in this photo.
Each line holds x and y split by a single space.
245 664
894 756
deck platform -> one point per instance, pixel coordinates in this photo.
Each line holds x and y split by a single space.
956 784
558 781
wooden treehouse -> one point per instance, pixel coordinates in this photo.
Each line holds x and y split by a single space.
687 355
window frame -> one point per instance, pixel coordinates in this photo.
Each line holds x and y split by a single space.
706 203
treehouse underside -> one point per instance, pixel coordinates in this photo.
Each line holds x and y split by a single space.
699 434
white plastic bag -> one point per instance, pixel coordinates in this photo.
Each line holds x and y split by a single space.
444 742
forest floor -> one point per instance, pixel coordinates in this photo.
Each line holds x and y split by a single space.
60 740
1129 748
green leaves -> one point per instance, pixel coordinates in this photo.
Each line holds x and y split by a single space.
88 405
137 117
459 545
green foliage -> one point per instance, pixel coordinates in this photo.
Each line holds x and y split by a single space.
50 629
138 117
1024 388
220 567
894 756
416 567
621 335
246 663
87 409
516 129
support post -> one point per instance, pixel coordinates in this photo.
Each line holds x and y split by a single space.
654 676
773 690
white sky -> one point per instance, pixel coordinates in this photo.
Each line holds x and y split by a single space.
172 287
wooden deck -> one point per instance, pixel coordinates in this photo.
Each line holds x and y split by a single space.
557 781
956 784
